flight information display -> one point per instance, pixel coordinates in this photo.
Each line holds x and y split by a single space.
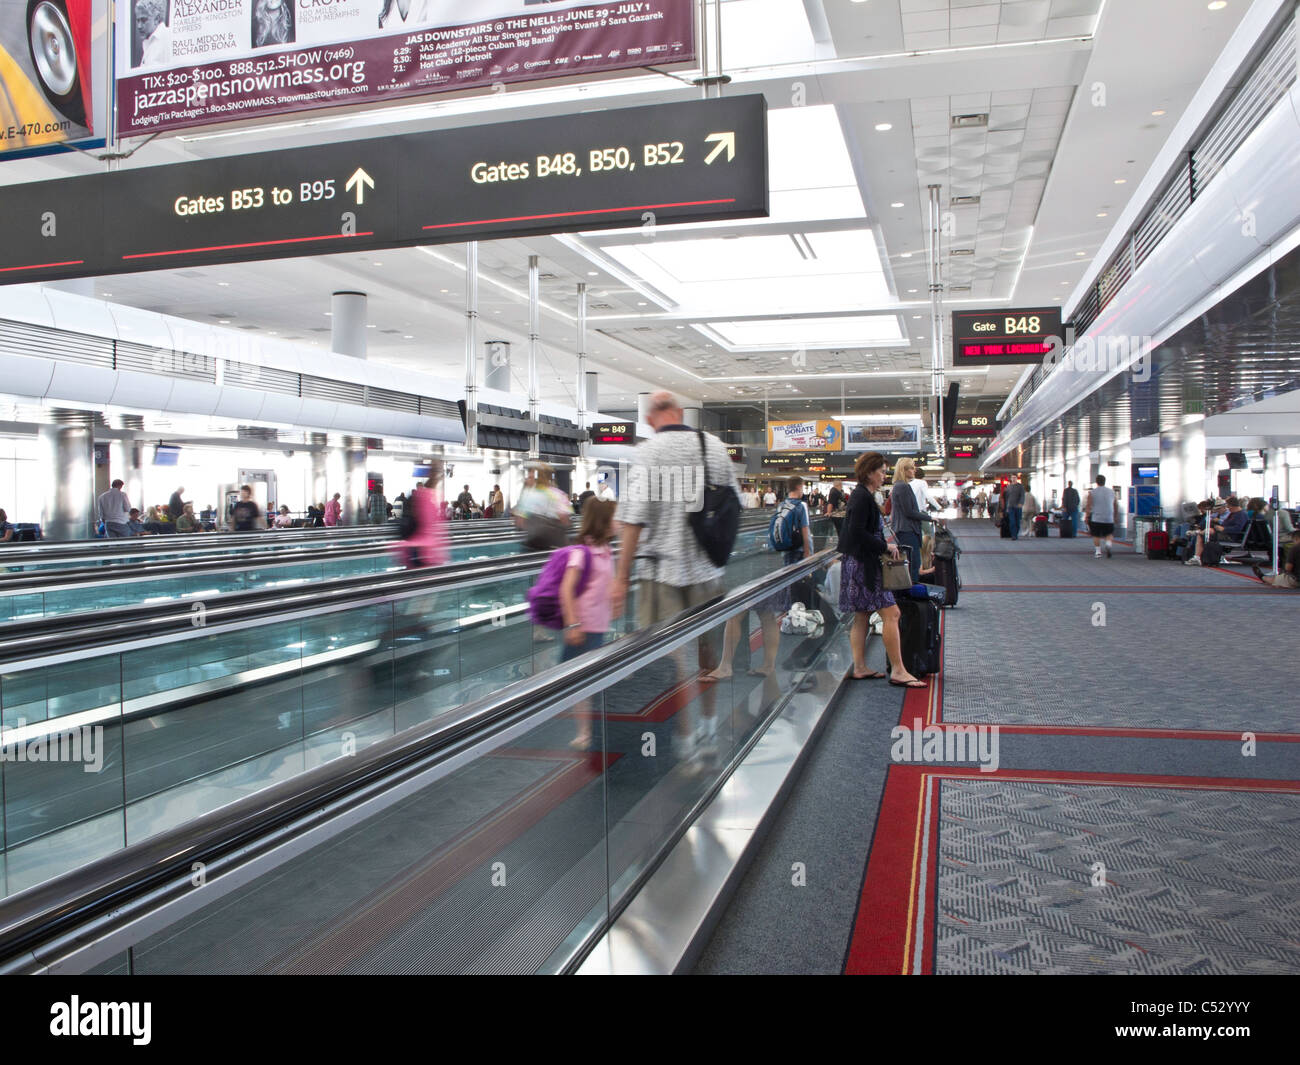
613 433
1006 336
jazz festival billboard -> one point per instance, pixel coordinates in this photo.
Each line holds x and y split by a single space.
185 63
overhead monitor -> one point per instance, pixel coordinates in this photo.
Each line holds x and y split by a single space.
1005 336
166 455
613 433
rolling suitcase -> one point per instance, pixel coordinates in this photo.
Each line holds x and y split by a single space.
1004 527
1157 544
945 577
1040 525
922 650
1067 527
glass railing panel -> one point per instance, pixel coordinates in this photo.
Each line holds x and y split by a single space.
71 687
497 867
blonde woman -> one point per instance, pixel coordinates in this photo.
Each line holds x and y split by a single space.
906 517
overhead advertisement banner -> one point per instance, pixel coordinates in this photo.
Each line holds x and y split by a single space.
184 63
810 435
53 56
892 434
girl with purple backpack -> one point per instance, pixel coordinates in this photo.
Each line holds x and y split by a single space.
584 595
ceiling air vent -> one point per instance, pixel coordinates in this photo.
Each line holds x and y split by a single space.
962 251
965 201
970 121
959 288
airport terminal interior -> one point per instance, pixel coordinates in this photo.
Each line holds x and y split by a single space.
669 487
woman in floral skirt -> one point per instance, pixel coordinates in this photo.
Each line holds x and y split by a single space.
862 591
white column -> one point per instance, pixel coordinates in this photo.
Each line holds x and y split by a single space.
348 332
68 463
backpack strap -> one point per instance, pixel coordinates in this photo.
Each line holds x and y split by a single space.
704 454
586 569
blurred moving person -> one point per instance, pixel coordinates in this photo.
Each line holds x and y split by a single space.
424 539
585 598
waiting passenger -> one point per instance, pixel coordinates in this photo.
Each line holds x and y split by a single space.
1288 578
135 527
1230 530
7 531
928 567
176 505
906 516
862 590
377 508
186 522
283 520
333 510
496 507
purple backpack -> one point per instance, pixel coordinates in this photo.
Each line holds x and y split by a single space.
544 596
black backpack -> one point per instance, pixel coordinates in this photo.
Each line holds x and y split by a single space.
717 522
407 525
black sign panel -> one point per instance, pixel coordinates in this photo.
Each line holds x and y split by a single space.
974 425
962 451
736 454
812 461
613 433
667 163
999 337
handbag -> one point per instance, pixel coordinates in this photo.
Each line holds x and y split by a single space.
717 522
544 534
895 575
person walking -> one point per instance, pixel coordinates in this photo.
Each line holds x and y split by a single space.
1013 502
587 612
378 507
333 511
245 516
176 505
426 542
862 590
1102 509
680 575
835 507
543 513
906 516
114 510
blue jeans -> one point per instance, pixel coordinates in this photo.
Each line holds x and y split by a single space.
911 543
590 641
1013 517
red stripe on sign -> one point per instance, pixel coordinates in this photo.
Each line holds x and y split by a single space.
42 266
250 244
580 214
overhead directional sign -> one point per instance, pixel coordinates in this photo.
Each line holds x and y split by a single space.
974 425
1004 336
640 166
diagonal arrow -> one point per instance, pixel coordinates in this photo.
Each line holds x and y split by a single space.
724 141
359 181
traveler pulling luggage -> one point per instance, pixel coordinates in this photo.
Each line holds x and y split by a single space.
918 626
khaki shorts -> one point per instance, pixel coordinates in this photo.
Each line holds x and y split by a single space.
1285 580
657 602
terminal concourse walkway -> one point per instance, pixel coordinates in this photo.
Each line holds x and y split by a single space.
1144 816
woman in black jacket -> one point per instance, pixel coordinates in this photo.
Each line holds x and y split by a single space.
862 591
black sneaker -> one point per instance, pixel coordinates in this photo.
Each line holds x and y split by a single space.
1108 555
1259 573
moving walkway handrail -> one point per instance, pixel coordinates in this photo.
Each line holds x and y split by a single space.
29 583
123 887
104 631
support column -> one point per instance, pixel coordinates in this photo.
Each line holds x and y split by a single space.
126 460
580 392
534 342
354 480
319 472
68 463
642 406
1120 478
471 345
1182 467
348 322
691 417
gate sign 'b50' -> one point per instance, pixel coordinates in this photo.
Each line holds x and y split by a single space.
641 166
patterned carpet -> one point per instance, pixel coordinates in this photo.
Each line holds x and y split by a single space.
1122 687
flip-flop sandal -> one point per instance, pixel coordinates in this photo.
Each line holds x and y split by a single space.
907 683
757 673
707 679
870 676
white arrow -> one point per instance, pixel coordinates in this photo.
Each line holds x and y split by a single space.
359 181
725 141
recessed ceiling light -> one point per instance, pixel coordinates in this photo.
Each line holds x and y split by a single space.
224 321
593 273
916 317
884 127
408 338
911 290
329 314
1158 113
905 255
1101 214
224 284
898 204
1121 181
1218 5
1081 253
